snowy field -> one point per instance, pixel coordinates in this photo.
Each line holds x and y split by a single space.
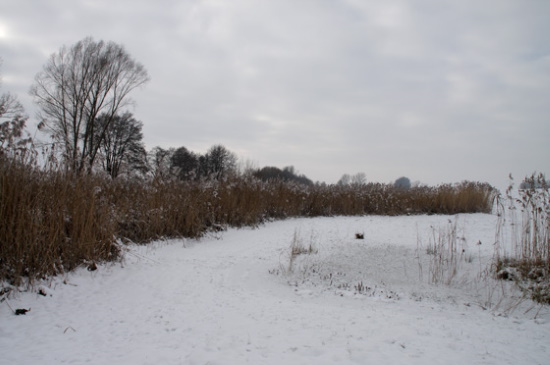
243 297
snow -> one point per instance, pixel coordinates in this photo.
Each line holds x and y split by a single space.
234 298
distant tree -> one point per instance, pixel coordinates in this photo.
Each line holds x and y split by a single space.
122 142
247 167
78 84
12 125
270 173
359 179
402 183
290 174
137 160
159 162
344 180
289 171
220 161
203 169
185 163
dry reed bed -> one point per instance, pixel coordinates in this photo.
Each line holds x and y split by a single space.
54 221
524 254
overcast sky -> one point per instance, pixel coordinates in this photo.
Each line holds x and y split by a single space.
438 91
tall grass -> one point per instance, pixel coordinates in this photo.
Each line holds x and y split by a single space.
523 251
445 254
53 221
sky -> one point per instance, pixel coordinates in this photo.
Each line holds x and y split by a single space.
438 91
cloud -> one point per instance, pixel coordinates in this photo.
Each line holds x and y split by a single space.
436 91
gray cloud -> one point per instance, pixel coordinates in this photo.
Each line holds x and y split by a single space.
434 91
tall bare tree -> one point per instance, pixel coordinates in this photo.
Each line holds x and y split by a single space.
76 85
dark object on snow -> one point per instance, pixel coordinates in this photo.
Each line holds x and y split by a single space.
92 267
19 312
360 236
508 273
42 292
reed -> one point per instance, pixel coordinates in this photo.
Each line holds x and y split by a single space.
51 222
54 221
522 252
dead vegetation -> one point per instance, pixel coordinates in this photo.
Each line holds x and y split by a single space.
523 254
54 221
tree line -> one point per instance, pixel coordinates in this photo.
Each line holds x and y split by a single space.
81 93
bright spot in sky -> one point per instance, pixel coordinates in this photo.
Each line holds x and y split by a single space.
3 31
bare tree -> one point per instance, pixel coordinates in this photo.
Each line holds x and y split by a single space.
76 85
159 161
359 178
344 180
12 125
220 161
137 160
186 163
121 143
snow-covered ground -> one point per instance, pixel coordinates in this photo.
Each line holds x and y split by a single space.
241 297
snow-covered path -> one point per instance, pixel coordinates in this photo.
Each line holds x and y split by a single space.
226 300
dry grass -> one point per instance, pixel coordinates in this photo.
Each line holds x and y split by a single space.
523 255
53 221
446 251
298 247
